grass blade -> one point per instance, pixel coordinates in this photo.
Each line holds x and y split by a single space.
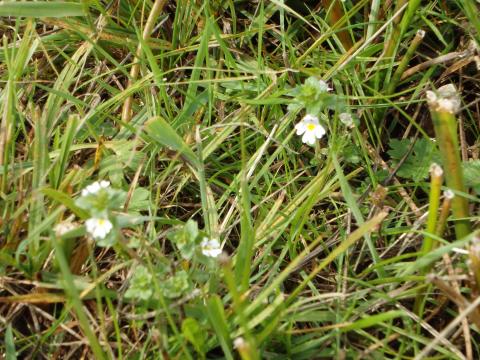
217 318
161 131
55 9
10 353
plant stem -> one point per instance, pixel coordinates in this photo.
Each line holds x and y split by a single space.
392 41
417 40
436 179
445 210
474 262
156 9
443 106
397 75
334 14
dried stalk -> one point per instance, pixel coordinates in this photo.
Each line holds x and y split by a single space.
135 70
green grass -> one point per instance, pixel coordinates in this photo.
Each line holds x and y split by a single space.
328 250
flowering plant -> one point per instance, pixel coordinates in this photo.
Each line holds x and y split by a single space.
99 199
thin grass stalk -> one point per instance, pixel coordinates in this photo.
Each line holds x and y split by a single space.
448 195
40 162
156 10
397 75
76 303
399 27
394 81
436 180
474 262
244 347
373 17
334 14
443 106
7 108
392 41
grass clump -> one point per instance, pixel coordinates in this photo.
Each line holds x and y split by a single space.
238 180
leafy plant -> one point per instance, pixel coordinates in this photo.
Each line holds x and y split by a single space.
140 284
417 163
314 96
471 173
185 239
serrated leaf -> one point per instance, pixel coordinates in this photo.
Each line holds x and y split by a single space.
111 166
126 153
176 285
139 200
471 174
184 239
417 164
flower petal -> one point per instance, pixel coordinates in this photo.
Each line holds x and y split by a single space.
309 118
309 138
98 228
211 248
104 184
319 131
301 127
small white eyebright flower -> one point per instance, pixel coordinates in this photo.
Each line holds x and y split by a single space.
210 247
95 187
324 86
346 119
98 227
310 128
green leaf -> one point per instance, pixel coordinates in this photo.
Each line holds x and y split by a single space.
67 201
177 285
66 143
126 153
216 315
161 131
140 200
184 239
140 284
417 164
314 96
41 9
194 333
113 168
373 320
471 173
352 154
10 353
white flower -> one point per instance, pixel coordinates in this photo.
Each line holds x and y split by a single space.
323 86
346 119
310 128
98 227
95 187
210 247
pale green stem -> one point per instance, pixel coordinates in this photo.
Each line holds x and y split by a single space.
443 106
436 179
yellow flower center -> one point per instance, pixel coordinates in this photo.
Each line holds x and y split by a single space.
101 222
311 127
